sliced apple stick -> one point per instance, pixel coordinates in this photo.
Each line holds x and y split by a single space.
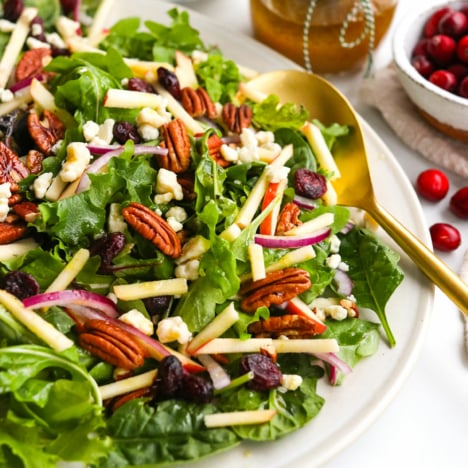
10 251
95 33
238 418
215 328
233 345
252 93
312 346
121 387
126 99
299 307
146 69
16 102
184 70
35 323
257 262
71 270
169 287
313 225
55 189
15 44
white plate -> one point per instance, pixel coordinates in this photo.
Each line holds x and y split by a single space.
351 408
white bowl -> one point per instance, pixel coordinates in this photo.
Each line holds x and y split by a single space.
443 110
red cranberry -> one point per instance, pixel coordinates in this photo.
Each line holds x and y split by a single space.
432 24
453 23
462 49
421 47
444 79
459 203
441 48
445 237
432 184
423 65
463 87
459 70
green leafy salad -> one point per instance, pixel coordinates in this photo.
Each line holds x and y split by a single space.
175 274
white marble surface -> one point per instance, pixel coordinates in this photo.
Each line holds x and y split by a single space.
426 425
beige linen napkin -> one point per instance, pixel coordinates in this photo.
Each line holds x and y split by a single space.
383 91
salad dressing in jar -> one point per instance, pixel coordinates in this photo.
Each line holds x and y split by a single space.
339 34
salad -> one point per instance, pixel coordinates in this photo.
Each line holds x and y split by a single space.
175 274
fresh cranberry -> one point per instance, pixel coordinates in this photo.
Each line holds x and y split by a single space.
462 49
453 23
463 87
423 65
432 24
445 237
444 79
441 48
421 47
459 70
432 184
459 203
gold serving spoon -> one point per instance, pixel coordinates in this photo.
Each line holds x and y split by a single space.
354 187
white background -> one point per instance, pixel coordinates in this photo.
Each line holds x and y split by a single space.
426 425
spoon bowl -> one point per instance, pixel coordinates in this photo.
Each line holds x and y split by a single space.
354 186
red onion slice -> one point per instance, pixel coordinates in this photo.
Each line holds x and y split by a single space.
343 282
22 84
336 365
304 202
218 375
291 242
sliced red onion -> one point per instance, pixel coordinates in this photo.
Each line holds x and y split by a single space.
336 365
343 282
22 84
349 225
102 149
291 242
218 375
231 139
73 297
304 202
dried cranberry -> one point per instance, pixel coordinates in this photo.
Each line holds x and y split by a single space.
445 237
441 48
157 305
169 81
37 29
309 184
20 284
444 79
453 23
137 84
107 247
124 131
12 9
266 373
197 389
68 5
459 203
170 377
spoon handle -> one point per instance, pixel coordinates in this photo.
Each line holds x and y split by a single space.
434 268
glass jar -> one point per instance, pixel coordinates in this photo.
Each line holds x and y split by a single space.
281 24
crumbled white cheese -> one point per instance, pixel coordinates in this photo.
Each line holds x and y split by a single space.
277 174
228 153
6 95
41 184
90 130
291 381
105 133
163 199
34 43
336 312
5 194
54 39
334 244
198 57
177 212
343 266
148 132
333 261
156 117
57 147
173 329
5 190
135 318
115 221
175 225
37 29
188 270
194 248
166 182
78 158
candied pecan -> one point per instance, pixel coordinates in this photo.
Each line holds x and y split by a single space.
32 62
11 232
34 160
236 118
214 150
15 198
46 132
278 287
119 401
111 343
198 103
288 218
154 228
26 210
12 169
187 183
177 141
290 325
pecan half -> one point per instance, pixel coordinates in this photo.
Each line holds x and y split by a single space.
32 62
117 402
11 232
34 160
46 132
187 183
236 118
111 344
198 103
288 218
278 287
177 141
12 169
214 150
290 325
154 228
26 210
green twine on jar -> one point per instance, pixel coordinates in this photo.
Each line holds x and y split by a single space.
368 31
